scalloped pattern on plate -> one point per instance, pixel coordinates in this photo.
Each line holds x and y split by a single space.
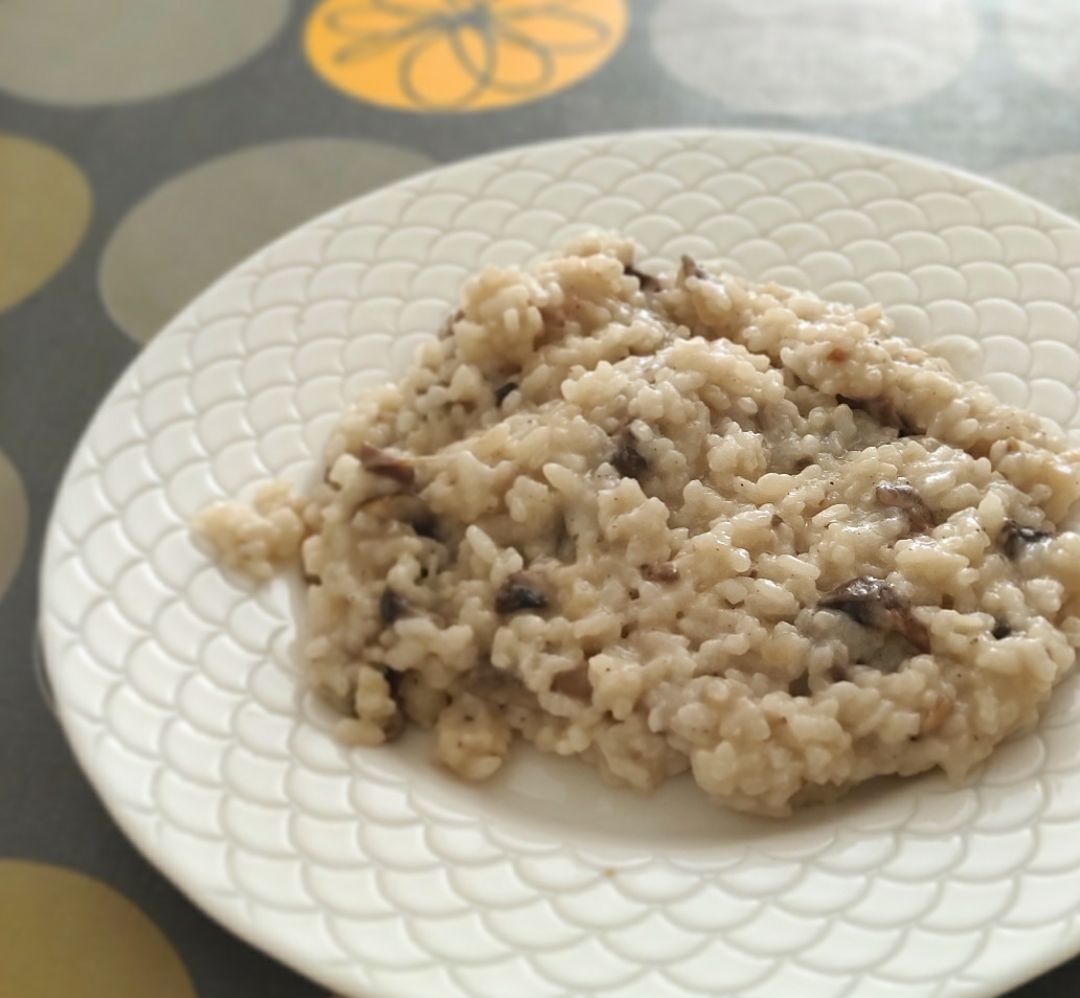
374 873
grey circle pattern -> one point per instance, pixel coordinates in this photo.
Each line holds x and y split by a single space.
79 53
198 224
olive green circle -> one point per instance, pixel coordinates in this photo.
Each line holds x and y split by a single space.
64 934
44 210
13 524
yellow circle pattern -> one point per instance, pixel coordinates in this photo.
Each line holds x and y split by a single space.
64 934
460 55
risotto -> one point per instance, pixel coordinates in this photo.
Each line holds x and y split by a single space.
670 522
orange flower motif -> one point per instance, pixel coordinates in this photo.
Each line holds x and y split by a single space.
460 55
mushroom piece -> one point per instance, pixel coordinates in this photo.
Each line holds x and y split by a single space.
902 495
689 267
392 605
883 411
647 281
503 390
1015 538
395 725
519 592
402 508
660 571
875 603
380 462
628 460
800 685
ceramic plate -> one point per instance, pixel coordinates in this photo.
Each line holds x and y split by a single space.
374 872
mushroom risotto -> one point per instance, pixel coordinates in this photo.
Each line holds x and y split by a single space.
681 521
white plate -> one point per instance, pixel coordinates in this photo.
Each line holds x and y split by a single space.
372 871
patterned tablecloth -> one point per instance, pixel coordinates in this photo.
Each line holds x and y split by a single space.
147 146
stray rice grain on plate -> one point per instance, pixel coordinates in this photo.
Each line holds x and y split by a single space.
681 522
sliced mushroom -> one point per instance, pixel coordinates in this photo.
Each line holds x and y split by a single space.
380 462
875 603
628 460
1015 538
647 281
519 592
902 495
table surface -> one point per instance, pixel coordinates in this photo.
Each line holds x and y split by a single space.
145 148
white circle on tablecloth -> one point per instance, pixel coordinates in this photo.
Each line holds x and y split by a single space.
822 58
1044 36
